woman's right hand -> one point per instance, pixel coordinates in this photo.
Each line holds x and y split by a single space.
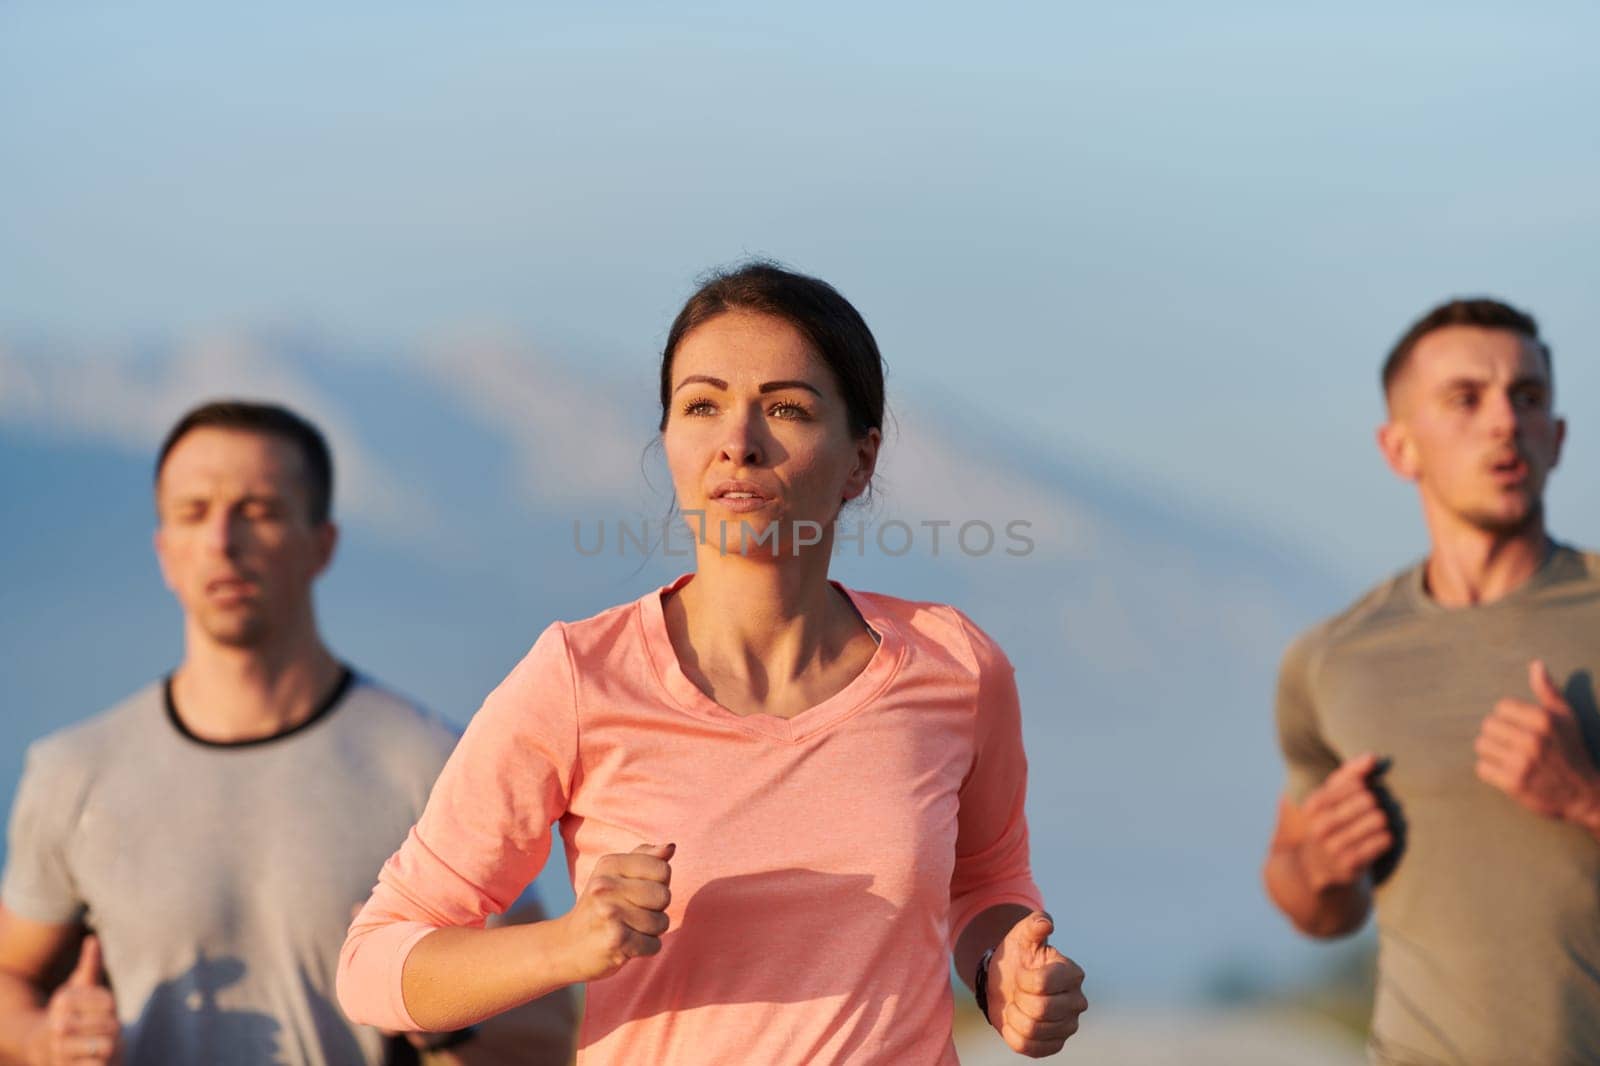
622 912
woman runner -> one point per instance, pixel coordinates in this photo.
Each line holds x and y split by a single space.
785 803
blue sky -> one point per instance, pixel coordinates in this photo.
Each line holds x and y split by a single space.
1176 240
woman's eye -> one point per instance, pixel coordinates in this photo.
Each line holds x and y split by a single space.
698 407
788 409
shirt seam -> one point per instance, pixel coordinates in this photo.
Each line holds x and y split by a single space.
576 769
977 698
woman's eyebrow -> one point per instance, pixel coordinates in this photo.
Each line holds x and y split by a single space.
716 383
768 386
775 386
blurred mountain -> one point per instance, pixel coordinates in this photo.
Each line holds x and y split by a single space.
471 470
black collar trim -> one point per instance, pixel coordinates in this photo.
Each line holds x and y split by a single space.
341 688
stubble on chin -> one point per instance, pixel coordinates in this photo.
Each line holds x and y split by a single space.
241 630
1503 524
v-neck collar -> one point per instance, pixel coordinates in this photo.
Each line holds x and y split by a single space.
862 688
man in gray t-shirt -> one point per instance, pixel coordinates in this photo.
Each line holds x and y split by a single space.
201 846
1441 733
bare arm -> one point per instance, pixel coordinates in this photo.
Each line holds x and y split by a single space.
982 933
458 977
541 1032
1318 868
454 978
76 1021
27 950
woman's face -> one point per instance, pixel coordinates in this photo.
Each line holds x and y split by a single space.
758 439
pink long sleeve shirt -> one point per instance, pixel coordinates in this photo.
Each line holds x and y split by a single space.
825 862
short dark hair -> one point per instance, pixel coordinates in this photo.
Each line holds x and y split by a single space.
1478 311
835 329
271 420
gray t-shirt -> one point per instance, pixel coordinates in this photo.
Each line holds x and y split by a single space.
1489 927
220 877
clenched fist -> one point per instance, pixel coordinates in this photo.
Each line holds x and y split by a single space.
1534 753
1035 992
1346 827
622 912
80 1025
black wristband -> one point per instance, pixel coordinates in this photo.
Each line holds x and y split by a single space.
980 984
402 1052
454 1038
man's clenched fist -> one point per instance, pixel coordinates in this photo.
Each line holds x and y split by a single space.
1534 753
1346 828
80 1024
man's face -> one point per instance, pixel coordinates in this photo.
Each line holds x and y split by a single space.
1471 423
234 535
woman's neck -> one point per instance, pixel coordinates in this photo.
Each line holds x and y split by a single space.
763 617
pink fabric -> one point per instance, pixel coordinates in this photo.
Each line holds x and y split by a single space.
825 863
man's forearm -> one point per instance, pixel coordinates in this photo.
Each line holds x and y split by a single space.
1325 912
21 1016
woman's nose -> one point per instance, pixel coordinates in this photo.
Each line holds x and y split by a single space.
742 446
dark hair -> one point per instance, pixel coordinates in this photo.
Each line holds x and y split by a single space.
272 420
1477 311
836 331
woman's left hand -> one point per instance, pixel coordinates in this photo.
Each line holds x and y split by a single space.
1035 992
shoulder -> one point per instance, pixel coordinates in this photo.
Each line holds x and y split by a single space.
1386 600
67 762
1581 564
611 632
86 744
373 706
940 629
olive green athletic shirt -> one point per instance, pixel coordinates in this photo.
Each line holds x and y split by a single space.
1489 927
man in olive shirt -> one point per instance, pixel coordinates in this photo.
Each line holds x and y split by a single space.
1440 734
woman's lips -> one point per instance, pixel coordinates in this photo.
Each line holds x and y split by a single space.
739 504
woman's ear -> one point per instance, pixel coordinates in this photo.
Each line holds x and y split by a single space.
866 462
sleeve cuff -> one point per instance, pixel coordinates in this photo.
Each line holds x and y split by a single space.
42 909
1020 890
397 1000
372 969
